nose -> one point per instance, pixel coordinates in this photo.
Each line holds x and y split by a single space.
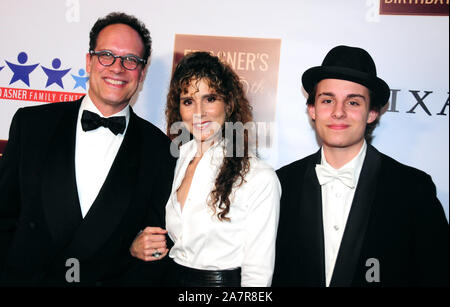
338 110
117 67
197 116
200 109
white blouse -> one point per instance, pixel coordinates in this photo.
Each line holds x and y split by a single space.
202 241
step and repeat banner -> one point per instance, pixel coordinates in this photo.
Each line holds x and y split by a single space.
269 44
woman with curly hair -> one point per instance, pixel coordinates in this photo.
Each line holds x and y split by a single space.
222 214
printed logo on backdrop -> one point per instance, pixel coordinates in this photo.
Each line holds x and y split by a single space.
415 7
423 103
52 82
255 60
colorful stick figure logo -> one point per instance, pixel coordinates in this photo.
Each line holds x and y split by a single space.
80 81
21 72
54 75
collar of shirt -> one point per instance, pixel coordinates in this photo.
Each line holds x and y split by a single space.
215 152
188 151
87 104
356 163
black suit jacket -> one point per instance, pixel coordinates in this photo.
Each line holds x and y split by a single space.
395 218
41 225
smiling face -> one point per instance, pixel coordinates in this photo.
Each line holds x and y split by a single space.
202 110
341 112
112 87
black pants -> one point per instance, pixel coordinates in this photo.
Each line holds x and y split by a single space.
181 276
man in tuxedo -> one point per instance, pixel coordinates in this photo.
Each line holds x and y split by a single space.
350 215
80 179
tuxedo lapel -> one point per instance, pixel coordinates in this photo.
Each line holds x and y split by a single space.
59 189
113 199
311 227
352 241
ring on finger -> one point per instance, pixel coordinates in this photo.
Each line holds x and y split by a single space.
156 254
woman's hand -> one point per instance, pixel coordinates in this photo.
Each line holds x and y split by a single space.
150 244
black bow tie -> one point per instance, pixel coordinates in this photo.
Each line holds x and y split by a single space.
91 121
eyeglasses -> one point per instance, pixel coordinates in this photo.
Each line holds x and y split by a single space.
107 58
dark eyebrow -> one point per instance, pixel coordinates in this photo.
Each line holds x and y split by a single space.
109 51
203 97
356 96
348 96
326 94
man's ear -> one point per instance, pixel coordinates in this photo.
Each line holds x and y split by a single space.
372 116
312 111
142 73
88 63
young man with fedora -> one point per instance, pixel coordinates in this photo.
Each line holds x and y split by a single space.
350 215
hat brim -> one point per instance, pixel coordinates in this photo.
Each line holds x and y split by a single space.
379 88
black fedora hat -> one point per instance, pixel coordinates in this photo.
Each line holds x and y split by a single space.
351 64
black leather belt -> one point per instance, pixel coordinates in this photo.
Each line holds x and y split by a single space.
182 276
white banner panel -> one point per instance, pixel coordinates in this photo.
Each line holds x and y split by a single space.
44 45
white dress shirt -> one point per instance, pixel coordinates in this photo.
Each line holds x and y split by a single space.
202 241
95 152
336 203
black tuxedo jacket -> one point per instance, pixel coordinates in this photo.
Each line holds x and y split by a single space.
395 218
41 225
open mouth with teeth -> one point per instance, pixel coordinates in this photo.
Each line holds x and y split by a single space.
114 82
202 126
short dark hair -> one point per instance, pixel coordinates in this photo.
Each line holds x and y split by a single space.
122 18
372 107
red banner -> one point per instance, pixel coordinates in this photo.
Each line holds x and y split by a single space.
415 7
2 146
8 93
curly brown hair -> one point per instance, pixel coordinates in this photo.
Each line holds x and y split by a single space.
225 82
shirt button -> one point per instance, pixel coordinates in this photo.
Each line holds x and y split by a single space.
336 227
338 195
